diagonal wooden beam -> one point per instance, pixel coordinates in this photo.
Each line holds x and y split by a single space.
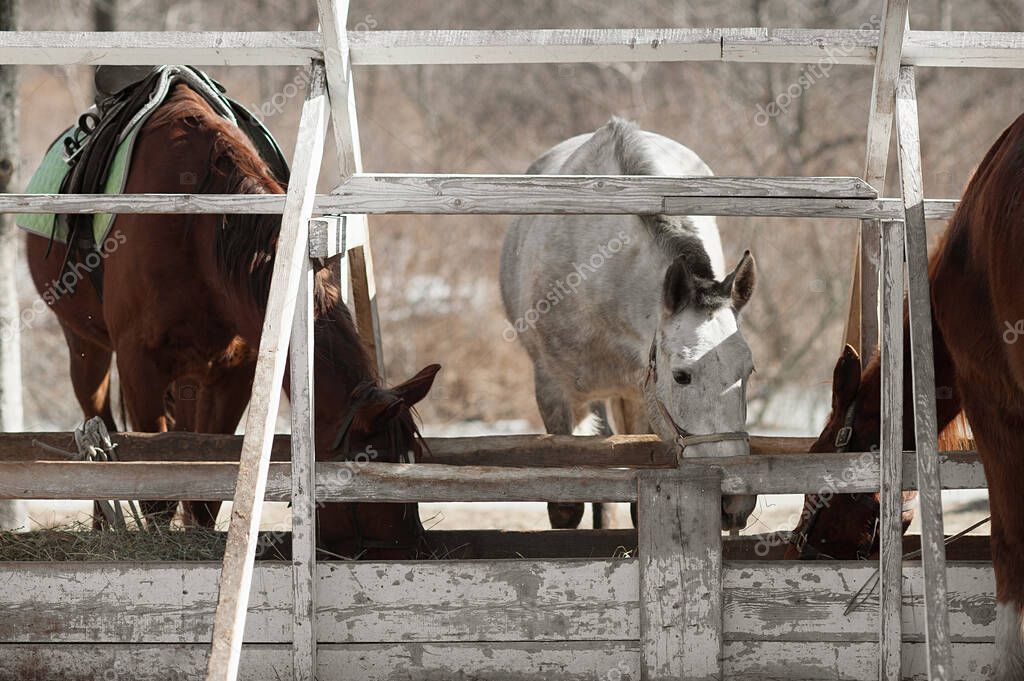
862 323
337 59
933 550
894 26
290 263
883 91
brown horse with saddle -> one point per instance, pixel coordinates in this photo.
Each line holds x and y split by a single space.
180 301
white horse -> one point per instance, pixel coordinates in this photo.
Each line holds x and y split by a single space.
631 308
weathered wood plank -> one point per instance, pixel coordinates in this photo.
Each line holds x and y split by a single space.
974 49
492 600
270 48
680 536
720 186
333 16
426 601
785 601
536 46
789 661
825 47
504 662
480 601
919 312
331 235
890 529
337 57
364 298
303 478
635 451
133 602
582 661
290 262
883 90
494 198
384 482
880 115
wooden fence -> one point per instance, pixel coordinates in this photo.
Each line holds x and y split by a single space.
676 609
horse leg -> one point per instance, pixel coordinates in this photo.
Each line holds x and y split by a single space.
998 439
602 515
219 408
143 385
557 413
635 422
89 366
997 420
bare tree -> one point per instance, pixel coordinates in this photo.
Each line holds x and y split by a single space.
12 512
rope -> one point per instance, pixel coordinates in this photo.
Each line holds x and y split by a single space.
872 584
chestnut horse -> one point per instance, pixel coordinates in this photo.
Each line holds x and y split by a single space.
183 303
977 289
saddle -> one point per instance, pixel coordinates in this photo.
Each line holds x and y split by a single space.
125 97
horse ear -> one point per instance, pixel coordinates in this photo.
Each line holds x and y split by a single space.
846 378
417 387
739 285
679 286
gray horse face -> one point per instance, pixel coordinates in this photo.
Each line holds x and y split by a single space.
703 363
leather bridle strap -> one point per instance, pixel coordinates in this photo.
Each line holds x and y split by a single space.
359 394
684 438
799 538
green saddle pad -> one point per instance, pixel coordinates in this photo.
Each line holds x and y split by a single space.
50 175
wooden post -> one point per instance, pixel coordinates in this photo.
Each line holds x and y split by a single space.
891 528
12 511
290 263
333 22
303 484
933 551
680 542
862 324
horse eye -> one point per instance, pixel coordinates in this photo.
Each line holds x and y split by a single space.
682 377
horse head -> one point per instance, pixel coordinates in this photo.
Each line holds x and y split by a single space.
379 426
380 422
844 526
696 381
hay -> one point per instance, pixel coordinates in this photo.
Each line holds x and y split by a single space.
78 542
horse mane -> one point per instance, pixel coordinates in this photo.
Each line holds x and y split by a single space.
246 243
676 235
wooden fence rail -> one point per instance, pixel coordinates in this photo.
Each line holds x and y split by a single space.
512 200
973 49
383 482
